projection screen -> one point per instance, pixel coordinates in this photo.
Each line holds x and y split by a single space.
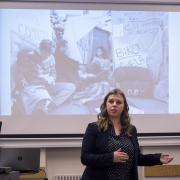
58 60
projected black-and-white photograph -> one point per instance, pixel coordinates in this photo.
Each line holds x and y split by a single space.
63 62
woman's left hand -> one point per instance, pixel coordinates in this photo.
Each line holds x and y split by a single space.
165 158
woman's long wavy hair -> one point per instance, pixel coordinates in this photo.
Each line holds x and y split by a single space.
104 122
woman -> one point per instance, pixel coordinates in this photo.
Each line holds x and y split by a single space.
101 59
101 65
110 148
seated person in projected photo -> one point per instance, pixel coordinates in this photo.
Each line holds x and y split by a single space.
101 64
37 88
95 76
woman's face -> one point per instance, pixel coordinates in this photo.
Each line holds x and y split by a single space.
115 105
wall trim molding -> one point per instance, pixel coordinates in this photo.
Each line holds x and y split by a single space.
76 142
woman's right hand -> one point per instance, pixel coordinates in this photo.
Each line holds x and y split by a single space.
120 156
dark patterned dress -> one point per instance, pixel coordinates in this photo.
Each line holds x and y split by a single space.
120 171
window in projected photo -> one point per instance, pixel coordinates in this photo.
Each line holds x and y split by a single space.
65 61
